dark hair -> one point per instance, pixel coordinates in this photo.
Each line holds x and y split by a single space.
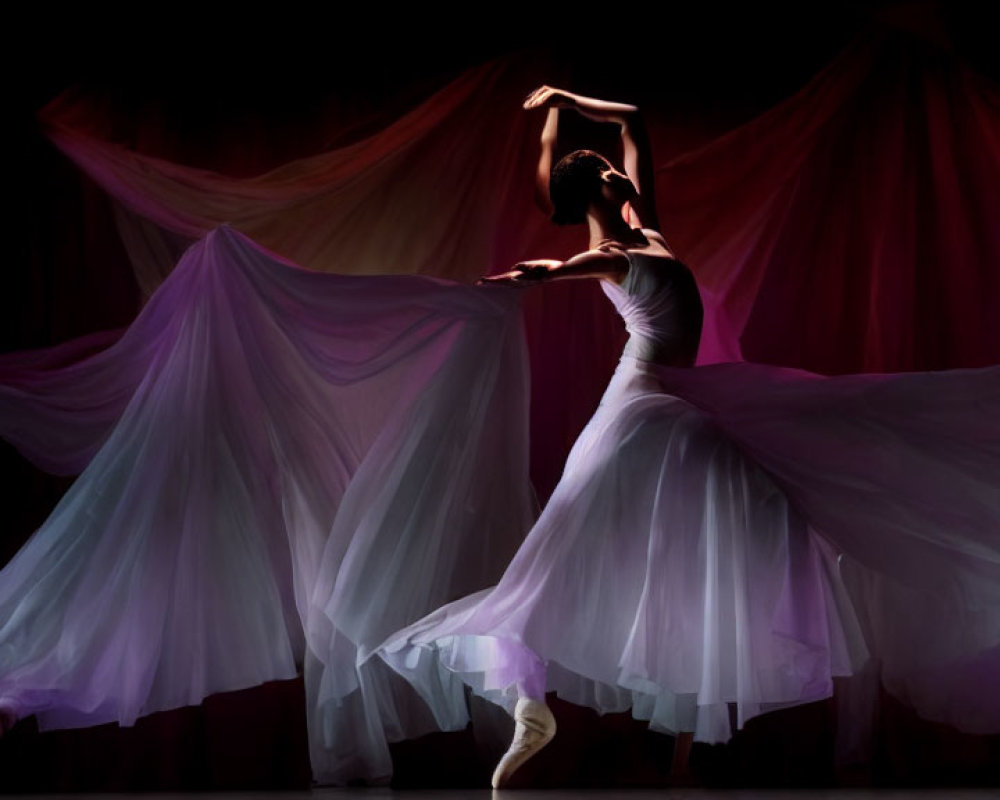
574 184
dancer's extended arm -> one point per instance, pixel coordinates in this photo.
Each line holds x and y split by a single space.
637 153
606 264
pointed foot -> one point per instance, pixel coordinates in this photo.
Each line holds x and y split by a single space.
533 729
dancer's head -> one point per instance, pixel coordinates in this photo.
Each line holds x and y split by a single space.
582 179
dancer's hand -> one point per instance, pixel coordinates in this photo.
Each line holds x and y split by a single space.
524 272
592 108
549 97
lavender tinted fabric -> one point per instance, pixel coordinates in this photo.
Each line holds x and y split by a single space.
286 467
688 558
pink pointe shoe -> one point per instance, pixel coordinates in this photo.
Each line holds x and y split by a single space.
534 728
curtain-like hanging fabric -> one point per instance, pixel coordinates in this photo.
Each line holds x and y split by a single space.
419 196
445 190
851 228
848 229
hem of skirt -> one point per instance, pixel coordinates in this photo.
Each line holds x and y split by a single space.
58 716
435 676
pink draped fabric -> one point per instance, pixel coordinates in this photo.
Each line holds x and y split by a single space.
419 196
850 229
847 229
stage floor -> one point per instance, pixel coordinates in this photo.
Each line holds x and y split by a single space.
557 794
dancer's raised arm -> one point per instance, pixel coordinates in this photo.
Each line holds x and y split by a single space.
550 133
637 155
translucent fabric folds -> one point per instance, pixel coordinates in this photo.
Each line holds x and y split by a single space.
284 467
901 474
848 229
851 227
688 558
421 195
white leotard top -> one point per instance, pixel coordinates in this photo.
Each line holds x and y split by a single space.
661 306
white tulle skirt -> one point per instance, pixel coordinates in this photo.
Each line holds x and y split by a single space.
667 574
671 574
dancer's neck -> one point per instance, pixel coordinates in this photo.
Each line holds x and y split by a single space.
604 224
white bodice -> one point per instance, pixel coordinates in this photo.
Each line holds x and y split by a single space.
661 306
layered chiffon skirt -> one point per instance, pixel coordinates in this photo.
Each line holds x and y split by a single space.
679 568
667 574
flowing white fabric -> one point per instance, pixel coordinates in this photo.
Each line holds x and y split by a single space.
284 467
688 559
901 473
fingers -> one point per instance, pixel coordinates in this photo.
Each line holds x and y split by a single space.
506 277
521 273
516 277
534 100
539 97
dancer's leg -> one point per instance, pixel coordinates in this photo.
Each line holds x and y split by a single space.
534 727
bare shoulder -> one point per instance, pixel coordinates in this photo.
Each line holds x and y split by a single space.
656 237
611 256
599 262
608 261
658 256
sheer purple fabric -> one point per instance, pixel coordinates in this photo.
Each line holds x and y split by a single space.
286 467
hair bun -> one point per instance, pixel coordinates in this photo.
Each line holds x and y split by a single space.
575 182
